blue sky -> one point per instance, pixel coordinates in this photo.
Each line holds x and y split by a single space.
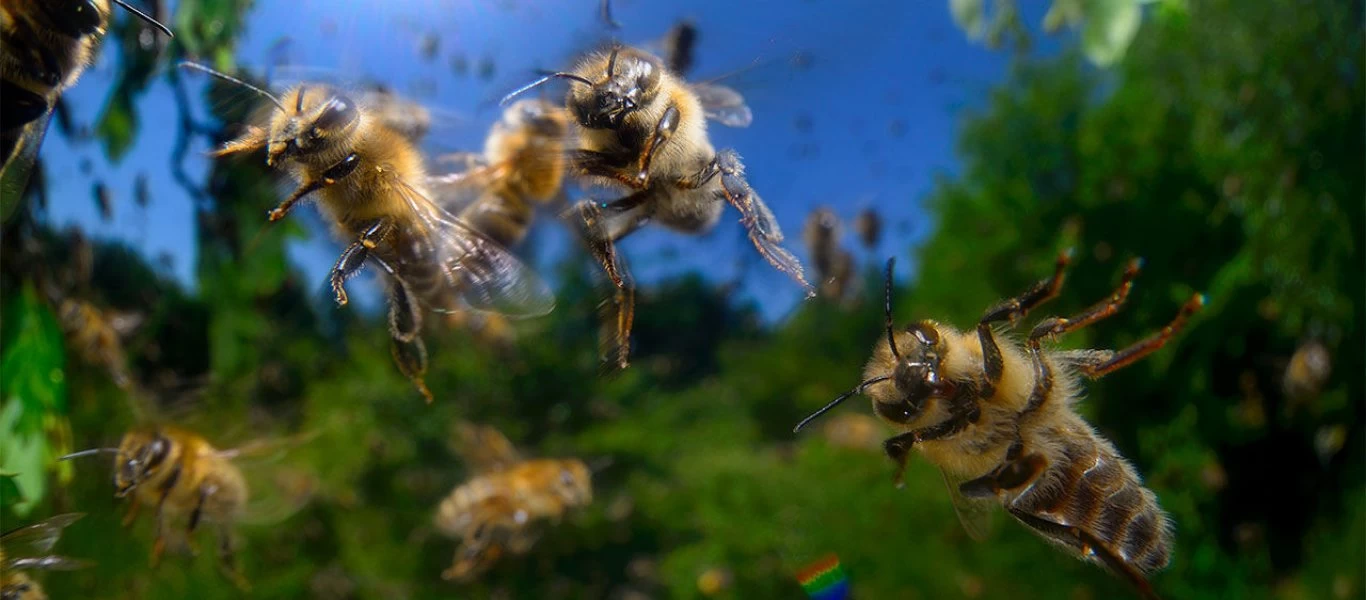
870 120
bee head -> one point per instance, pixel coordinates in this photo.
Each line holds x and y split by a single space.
574 483
632 80
140 455
75 18
538 116
916 374
320 117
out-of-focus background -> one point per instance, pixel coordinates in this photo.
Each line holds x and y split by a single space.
1219 140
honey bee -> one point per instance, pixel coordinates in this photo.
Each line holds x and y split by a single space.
833 264
641 128
97 336
1307 372
37 540
181 475
47 44
372 185
868 224
998 419
501 509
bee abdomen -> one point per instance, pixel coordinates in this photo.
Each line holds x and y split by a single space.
1093 489
503 219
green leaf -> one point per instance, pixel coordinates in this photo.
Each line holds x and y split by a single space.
969 15
34 384
1110 28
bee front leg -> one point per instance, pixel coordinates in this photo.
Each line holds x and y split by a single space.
664 129
332 175
132 513
197 513
354 256
898 447
755 215
1012 310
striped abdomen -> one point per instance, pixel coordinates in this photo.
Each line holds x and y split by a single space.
1087 485
503 217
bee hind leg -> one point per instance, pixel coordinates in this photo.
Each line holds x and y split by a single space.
1088 545
227 560
354 256
1103 363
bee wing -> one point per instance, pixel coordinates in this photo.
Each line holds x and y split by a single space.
39 537
463 187
487 276
484 448
723 104
47 563
976 514
14 172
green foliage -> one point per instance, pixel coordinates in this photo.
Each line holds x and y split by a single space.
33 410
1228 158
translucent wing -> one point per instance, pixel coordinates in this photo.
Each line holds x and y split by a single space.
14 172
723 105
37 537
485 275
464 185
976 514
47 563
485 449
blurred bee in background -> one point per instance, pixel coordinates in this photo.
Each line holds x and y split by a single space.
868 226
372 185
47 44
998 420
96 334
1307 372
834 266
36 541
410 119
853 431
104 200
522 167
639 127
680 47
185 479
502 509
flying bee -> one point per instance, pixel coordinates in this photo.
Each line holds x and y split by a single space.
97 336
868 224
998 419
501 509
37 541
641 128
1307 372
185 478
372 185
47 44
521 167
833 264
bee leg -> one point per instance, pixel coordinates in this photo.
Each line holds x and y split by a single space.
664 129
411 358
197 513
159 545
1089 546
898 447
1127 356
132 513
758 220
588 162
332 175
1012 310
354 256
227 560
601 241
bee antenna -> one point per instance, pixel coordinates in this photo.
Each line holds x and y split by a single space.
836 402
605 13
887 307
89 452
145 17
547 77
224 76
